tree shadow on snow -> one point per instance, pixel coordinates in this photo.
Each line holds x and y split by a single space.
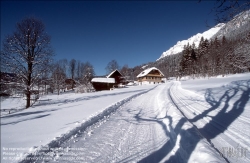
26 116
224 117
140 119
85 98
27 119
26 113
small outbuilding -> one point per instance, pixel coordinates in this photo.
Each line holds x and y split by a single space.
117 76
70 84
150 76
106 83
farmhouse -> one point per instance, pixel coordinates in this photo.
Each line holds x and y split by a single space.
150 76
106 83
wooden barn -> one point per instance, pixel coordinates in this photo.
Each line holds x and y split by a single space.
150 76
106 83
70 84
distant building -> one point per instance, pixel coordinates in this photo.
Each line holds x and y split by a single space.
106 83
9 84
8 77
150 76
70 84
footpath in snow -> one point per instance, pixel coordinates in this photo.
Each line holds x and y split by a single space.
148 128
220 109
55 118
202 120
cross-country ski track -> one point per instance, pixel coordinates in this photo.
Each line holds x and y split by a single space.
165 124
194 121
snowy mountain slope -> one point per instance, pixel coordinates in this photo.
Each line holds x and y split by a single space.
194 39
230 29
235 26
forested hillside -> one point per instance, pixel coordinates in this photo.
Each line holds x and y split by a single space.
227 52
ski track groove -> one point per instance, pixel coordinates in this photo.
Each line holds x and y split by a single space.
105 148
189 111
131 132
124 150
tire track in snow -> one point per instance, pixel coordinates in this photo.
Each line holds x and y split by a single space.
232 132
135 137
202 105
80 131
174 98
147 128
229 137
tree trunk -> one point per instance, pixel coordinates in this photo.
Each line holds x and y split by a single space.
45 89
72 84
28 99
28 85
58 89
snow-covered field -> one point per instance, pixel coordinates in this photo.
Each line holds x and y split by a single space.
220 109
202 120
55 116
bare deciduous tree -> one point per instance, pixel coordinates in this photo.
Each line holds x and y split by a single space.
58 76
125 71
112 65
78 70
226 10
27 52
88 73
72 70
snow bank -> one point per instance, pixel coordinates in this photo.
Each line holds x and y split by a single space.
56 118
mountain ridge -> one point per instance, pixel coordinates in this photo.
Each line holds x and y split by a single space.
179 46
219 30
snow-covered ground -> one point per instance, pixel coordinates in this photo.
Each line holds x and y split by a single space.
220 109
202 120
54 117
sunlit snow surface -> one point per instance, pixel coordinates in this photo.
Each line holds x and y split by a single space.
56 115
179 121
179 46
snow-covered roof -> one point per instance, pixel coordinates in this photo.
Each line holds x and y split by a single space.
112 73
103 80
143 67
147 71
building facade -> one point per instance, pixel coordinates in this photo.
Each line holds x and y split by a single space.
106 83
150 76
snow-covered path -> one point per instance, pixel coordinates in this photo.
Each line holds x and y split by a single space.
222 116
202 120
55 118
149 128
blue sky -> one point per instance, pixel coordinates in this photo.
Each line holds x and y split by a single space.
132 33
